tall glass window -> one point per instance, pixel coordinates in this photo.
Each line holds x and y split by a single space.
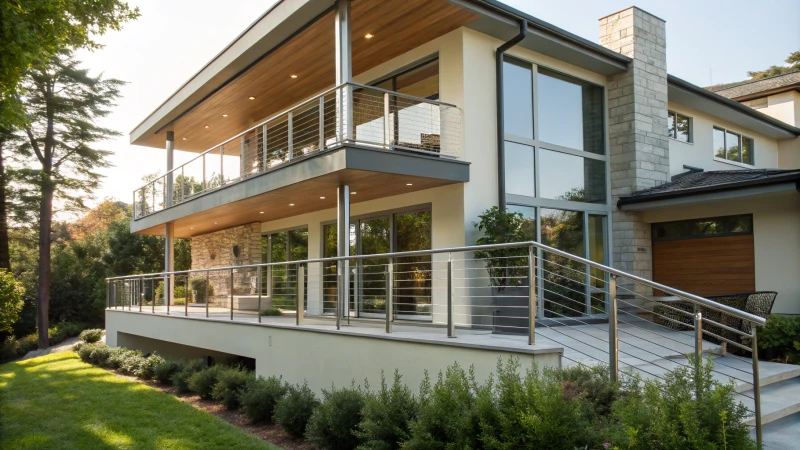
280 282
556 176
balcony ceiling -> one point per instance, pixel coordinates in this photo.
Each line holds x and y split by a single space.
397 28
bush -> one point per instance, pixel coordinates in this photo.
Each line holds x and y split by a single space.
131 362
179 301
28 343
163 372
85 352
295 409
99 355
10 349
148 369
116 357
230 382
202 382
180 379
91 336
333 424
259 397
592 384
198 287
780 339
75 348
272 311
681 412
387 415
12 295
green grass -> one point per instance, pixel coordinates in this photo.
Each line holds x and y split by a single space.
57 401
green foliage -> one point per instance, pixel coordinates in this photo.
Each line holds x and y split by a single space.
117 356
259 397
91 336
163 373
99 355
78 345
272 311
13 348
198 288
689 410
334 422
230 382
793 65
179 301
130 362
780 339
202 382
386 416
85 352
500 227
294 410
590 383
148 369
180 379
11 300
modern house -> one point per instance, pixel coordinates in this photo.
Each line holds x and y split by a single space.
347 148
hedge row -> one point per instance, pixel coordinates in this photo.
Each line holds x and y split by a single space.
13 348
555 409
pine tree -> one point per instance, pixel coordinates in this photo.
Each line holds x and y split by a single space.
62 102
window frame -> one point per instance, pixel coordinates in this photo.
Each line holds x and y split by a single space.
674 134
691 226
742 137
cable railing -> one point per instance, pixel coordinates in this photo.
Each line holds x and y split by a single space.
347 114
597 314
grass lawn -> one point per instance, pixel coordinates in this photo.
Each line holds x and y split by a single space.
57 401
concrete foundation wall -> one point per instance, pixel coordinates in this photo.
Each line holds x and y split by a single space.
320 358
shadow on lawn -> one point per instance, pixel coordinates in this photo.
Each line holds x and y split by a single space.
57 401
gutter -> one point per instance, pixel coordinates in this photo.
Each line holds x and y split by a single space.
501 147
634 199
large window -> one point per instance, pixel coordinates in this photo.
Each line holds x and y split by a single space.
556 177
385 232
703 228
732 146
280 282
679 127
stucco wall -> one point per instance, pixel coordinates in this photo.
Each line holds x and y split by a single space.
700 152
319 358
776 233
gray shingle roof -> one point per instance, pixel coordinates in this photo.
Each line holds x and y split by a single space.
700 182
766 84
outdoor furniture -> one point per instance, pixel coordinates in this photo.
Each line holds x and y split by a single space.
667 313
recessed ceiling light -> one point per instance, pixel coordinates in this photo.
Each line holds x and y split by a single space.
294 76
322 198
191 228
206 126
184 139
261 212
252 98
409 184
353 193
291 204
369 36
224 115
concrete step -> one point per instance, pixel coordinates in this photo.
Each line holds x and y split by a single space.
778 400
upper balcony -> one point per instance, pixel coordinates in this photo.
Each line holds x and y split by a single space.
375 119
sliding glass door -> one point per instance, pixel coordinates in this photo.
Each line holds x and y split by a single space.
280 282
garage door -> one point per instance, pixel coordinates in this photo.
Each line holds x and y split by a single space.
712 256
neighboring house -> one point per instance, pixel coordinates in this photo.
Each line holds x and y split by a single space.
355 128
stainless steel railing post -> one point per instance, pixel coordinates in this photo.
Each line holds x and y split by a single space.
531 295
141 296
186 298
613 339
258 276
389 295
451 325
322 122
698 337
301 293
340 294
387 123
756 387
231 294
208 288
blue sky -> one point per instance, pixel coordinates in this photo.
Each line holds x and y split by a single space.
174 39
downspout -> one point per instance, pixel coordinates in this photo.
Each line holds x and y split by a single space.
501 149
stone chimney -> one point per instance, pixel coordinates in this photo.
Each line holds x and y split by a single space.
637 127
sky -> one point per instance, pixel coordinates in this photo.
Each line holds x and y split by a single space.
708 42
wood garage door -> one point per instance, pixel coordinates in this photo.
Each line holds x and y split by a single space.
706 266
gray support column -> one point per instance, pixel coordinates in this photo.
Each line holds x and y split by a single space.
169 261
344 71
343 245
170 158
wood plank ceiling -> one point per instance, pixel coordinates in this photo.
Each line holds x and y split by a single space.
397 25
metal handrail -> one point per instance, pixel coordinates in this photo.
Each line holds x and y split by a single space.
686 295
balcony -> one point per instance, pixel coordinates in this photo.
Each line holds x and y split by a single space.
375 119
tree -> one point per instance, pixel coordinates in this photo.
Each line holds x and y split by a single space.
11 293
62 103
793 62
33 31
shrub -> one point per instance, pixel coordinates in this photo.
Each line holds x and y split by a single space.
592 384
259 397
91 336
99 355
202 382
116 357
780 339
689 409
272 311
295 409
333 423
75 348
179 301
12 295
85 352
27 344
180 379
386 416
230 382
131 362
163 372
59 332
148 369
198 287
10 349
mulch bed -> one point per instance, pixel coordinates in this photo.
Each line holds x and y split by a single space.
271 433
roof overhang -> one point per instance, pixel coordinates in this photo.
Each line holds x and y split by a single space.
502 21
768 92
688 94
688 197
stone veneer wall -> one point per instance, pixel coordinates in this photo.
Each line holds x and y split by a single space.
216 250
637 127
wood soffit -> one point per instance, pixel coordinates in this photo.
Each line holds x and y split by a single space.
397 26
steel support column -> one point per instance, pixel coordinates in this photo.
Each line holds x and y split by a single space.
342 248
344 71
169 262
169 188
